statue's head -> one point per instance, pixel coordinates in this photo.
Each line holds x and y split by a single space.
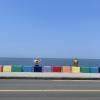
75 60
37 60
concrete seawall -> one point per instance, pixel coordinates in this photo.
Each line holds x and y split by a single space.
50 75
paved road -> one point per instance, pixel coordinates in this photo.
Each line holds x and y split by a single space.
49 89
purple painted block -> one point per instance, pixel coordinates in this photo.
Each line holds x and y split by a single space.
46 69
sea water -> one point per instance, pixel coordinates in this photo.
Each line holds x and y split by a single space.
49 61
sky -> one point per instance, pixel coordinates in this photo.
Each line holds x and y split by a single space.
50 28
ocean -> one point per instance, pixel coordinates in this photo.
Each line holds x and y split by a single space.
50 61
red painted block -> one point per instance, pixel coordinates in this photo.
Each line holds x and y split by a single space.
56 69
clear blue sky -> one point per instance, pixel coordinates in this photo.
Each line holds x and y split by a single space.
50 28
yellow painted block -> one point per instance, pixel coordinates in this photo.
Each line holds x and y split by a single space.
75 69
7 68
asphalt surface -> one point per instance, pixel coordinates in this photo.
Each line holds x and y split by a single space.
21 89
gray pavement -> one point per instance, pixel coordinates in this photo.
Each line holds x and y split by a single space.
91 87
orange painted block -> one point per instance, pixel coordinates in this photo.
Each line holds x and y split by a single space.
66 69
1 68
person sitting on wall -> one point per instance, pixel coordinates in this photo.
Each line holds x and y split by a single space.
37 61
75 62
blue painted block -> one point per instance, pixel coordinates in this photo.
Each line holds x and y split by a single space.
27 69
46 69
37 69
94 69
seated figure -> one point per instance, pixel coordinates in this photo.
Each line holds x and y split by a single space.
75 62
37 61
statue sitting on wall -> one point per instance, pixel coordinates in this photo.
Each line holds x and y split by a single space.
75 62
37 61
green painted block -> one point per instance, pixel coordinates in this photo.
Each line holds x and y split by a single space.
16 68
84 69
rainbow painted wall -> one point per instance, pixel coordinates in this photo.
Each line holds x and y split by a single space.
52 69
